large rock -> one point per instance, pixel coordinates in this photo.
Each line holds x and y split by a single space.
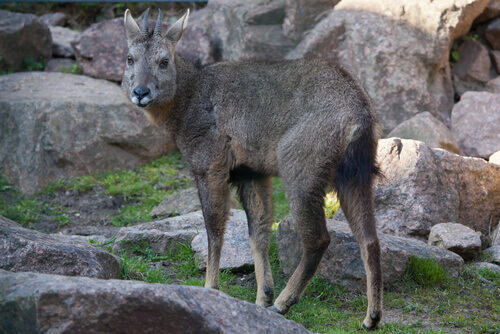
22 36
236 252
425 127
422 187
102 48
472 70
303 15
61 41
22 249
475 123
402 59
62 125
492 34
33 303
182 203
456 238
342 262
248 30
161 235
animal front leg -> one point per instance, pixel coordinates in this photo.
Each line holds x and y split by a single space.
214 198
256 197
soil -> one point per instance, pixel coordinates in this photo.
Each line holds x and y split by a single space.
89 212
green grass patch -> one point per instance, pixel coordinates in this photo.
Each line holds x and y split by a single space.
425 272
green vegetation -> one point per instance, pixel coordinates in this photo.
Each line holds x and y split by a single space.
75 69
425 272
426 300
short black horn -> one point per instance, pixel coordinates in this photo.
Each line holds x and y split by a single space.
157 31
144 30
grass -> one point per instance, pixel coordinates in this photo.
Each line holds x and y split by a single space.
425 272
426 300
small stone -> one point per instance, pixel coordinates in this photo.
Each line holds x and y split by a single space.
54 19
64 65
472 71
430 130
493 253
456 238
182 203
61 41
490 266
495 236
495 60
162 235
493 86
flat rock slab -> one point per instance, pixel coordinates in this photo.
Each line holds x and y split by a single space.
342 262
32 303
236 252
22 249
182 203
456 238
162 235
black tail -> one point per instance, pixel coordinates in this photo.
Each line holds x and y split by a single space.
358 166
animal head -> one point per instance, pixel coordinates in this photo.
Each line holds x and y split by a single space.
150 74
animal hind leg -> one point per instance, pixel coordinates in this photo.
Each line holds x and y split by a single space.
257 200
308 213
357 205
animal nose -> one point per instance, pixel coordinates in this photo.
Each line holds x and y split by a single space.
141 92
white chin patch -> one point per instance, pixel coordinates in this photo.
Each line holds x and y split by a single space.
145 100
135 100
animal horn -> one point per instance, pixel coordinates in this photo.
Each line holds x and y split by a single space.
144 30
157 31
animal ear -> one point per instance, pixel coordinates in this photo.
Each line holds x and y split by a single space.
174 33
131 28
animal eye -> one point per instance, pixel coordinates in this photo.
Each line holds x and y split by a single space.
130 60
164 63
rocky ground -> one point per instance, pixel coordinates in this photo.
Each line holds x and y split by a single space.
78 163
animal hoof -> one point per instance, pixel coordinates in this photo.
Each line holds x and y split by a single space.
274 309
372 321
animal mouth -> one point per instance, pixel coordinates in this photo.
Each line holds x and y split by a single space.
142 103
